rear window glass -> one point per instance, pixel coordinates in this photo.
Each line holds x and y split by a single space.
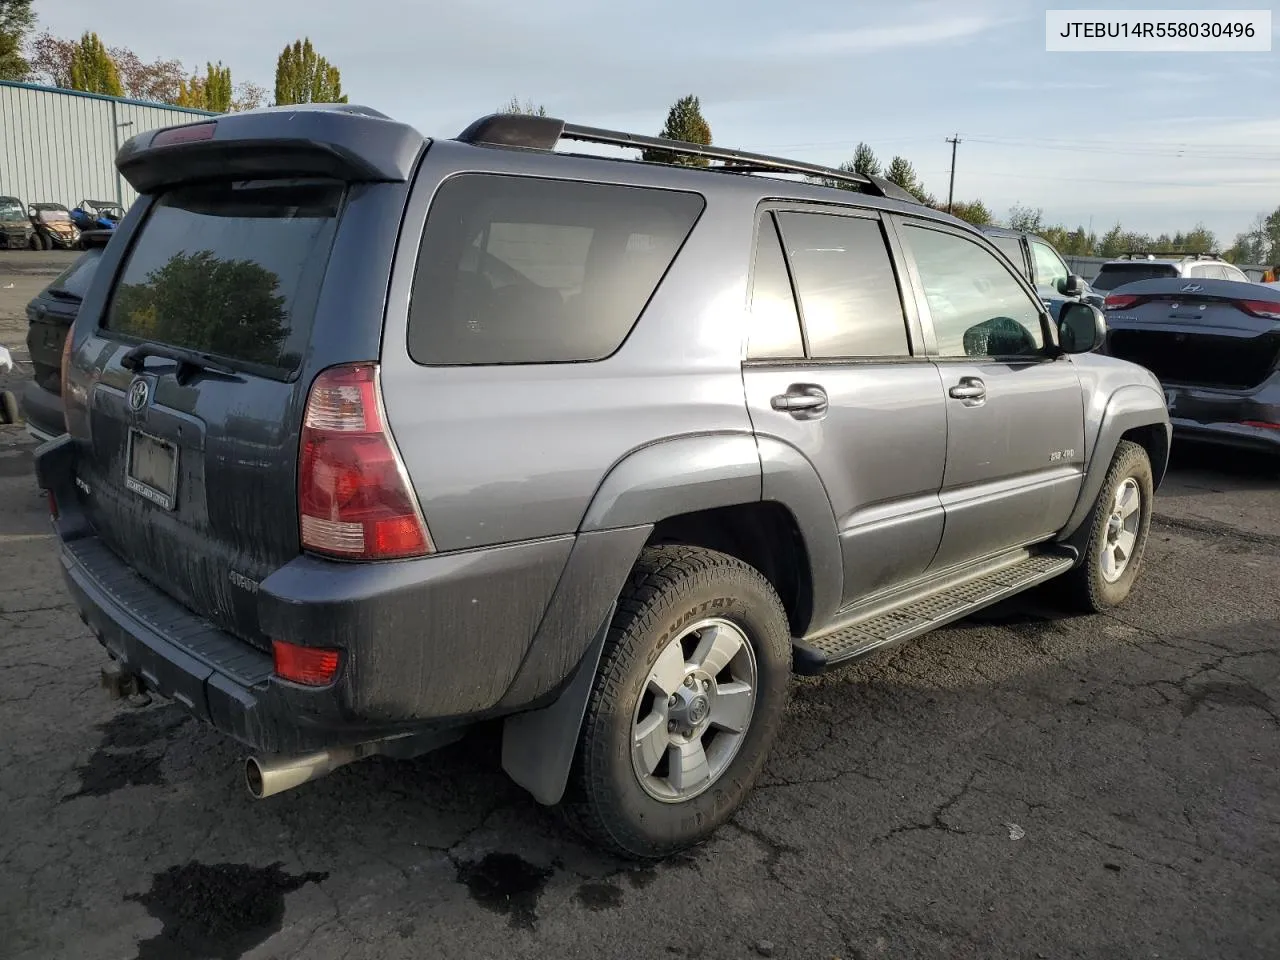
74 281
524 270
230 269
1118 274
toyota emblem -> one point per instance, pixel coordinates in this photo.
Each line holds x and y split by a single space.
138 391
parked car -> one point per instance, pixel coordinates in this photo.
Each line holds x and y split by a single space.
1214 345
16 232
54 228
403 434
49 317
1137 266
97 215
8 403
1040 263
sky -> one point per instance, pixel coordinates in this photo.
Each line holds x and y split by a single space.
1158 141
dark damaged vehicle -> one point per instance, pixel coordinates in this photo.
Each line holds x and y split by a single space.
373 437
1215 347
49 317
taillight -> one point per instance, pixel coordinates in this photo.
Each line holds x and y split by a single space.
313 666
354 499
1261 424
62 381
1265 309
53 504
1119 301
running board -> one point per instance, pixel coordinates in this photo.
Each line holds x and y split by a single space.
920 614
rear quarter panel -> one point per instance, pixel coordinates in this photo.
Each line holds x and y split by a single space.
499 454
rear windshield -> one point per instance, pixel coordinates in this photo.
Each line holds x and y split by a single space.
1118 274
73 282
230 269
523 270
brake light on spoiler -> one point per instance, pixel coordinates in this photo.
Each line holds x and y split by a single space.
187 133
354 498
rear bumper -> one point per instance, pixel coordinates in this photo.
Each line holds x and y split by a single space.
1227 417
42 410
427 645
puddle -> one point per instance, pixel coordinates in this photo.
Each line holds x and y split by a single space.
108 772
216 911
121 759
1226 694
506 884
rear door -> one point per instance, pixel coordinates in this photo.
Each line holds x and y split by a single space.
844 381
189 472
1015 412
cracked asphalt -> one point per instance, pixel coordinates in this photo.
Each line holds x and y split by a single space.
1026 785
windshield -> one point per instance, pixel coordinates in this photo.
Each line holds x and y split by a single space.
1118 274
53 216
11 210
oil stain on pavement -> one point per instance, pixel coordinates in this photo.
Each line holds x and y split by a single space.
216 911
506 884
121 758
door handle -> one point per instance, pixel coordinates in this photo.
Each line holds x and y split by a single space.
969 388
802 401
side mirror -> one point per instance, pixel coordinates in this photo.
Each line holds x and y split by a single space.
1073 286
1081 328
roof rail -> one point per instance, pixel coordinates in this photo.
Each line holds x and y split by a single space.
1166 255
543 133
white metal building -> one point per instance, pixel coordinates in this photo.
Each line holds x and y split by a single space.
59 146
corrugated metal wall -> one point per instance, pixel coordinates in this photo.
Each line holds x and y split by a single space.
58 146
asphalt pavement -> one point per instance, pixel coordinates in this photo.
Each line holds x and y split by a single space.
1026 785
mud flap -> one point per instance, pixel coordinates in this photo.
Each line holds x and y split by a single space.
538 746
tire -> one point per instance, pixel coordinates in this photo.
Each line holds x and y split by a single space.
673 590
35 243
1088 587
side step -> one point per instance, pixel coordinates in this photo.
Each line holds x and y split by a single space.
919 614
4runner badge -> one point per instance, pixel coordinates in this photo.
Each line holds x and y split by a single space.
138 391
243 582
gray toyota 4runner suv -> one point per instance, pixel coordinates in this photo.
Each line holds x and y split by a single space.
371 437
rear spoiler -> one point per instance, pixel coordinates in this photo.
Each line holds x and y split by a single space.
347 142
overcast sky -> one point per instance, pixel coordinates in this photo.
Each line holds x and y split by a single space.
1156 140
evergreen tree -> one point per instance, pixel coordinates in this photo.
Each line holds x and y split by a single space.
16 20
93 70
684 122
303 76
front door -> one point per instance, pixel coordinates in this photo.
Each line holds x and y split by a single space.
835 370
1015 409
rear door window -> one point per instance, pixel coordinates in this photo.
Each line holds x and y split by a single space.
1011 247
848 290
775 323
526 270
230 269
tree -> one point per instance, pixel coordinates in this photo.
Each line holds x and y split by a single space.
303 76
211 92
975 213
528 108
684 122
155 80
16 20
249 96
227 307
903 174
50 58
92 69
1025 218
864 162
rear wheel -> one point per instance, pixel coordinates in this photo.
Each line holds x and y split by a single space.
1119 525
687 703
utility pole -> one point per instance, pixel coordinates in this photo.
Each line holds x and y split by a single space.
951 191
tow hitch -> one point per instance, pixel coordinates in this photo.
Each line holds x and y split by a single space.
120 684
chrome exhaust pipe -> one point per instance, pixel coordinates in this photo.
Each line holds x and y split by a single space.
267 776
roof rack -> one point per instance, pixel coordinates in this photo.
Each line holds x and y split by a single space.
543 133
1166 255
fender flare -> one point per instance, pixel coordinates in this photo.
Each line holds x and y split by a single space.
1134 405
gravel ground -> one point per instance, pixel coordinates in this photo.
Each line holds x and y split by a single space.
1025 785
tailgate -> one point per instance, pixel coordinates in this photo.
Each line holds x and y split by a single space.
189 468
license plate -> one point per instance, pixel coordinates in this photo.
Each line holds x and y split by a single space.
151 469
1168 398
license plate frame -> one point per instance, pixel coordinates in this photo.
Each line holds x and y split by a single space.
159 480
